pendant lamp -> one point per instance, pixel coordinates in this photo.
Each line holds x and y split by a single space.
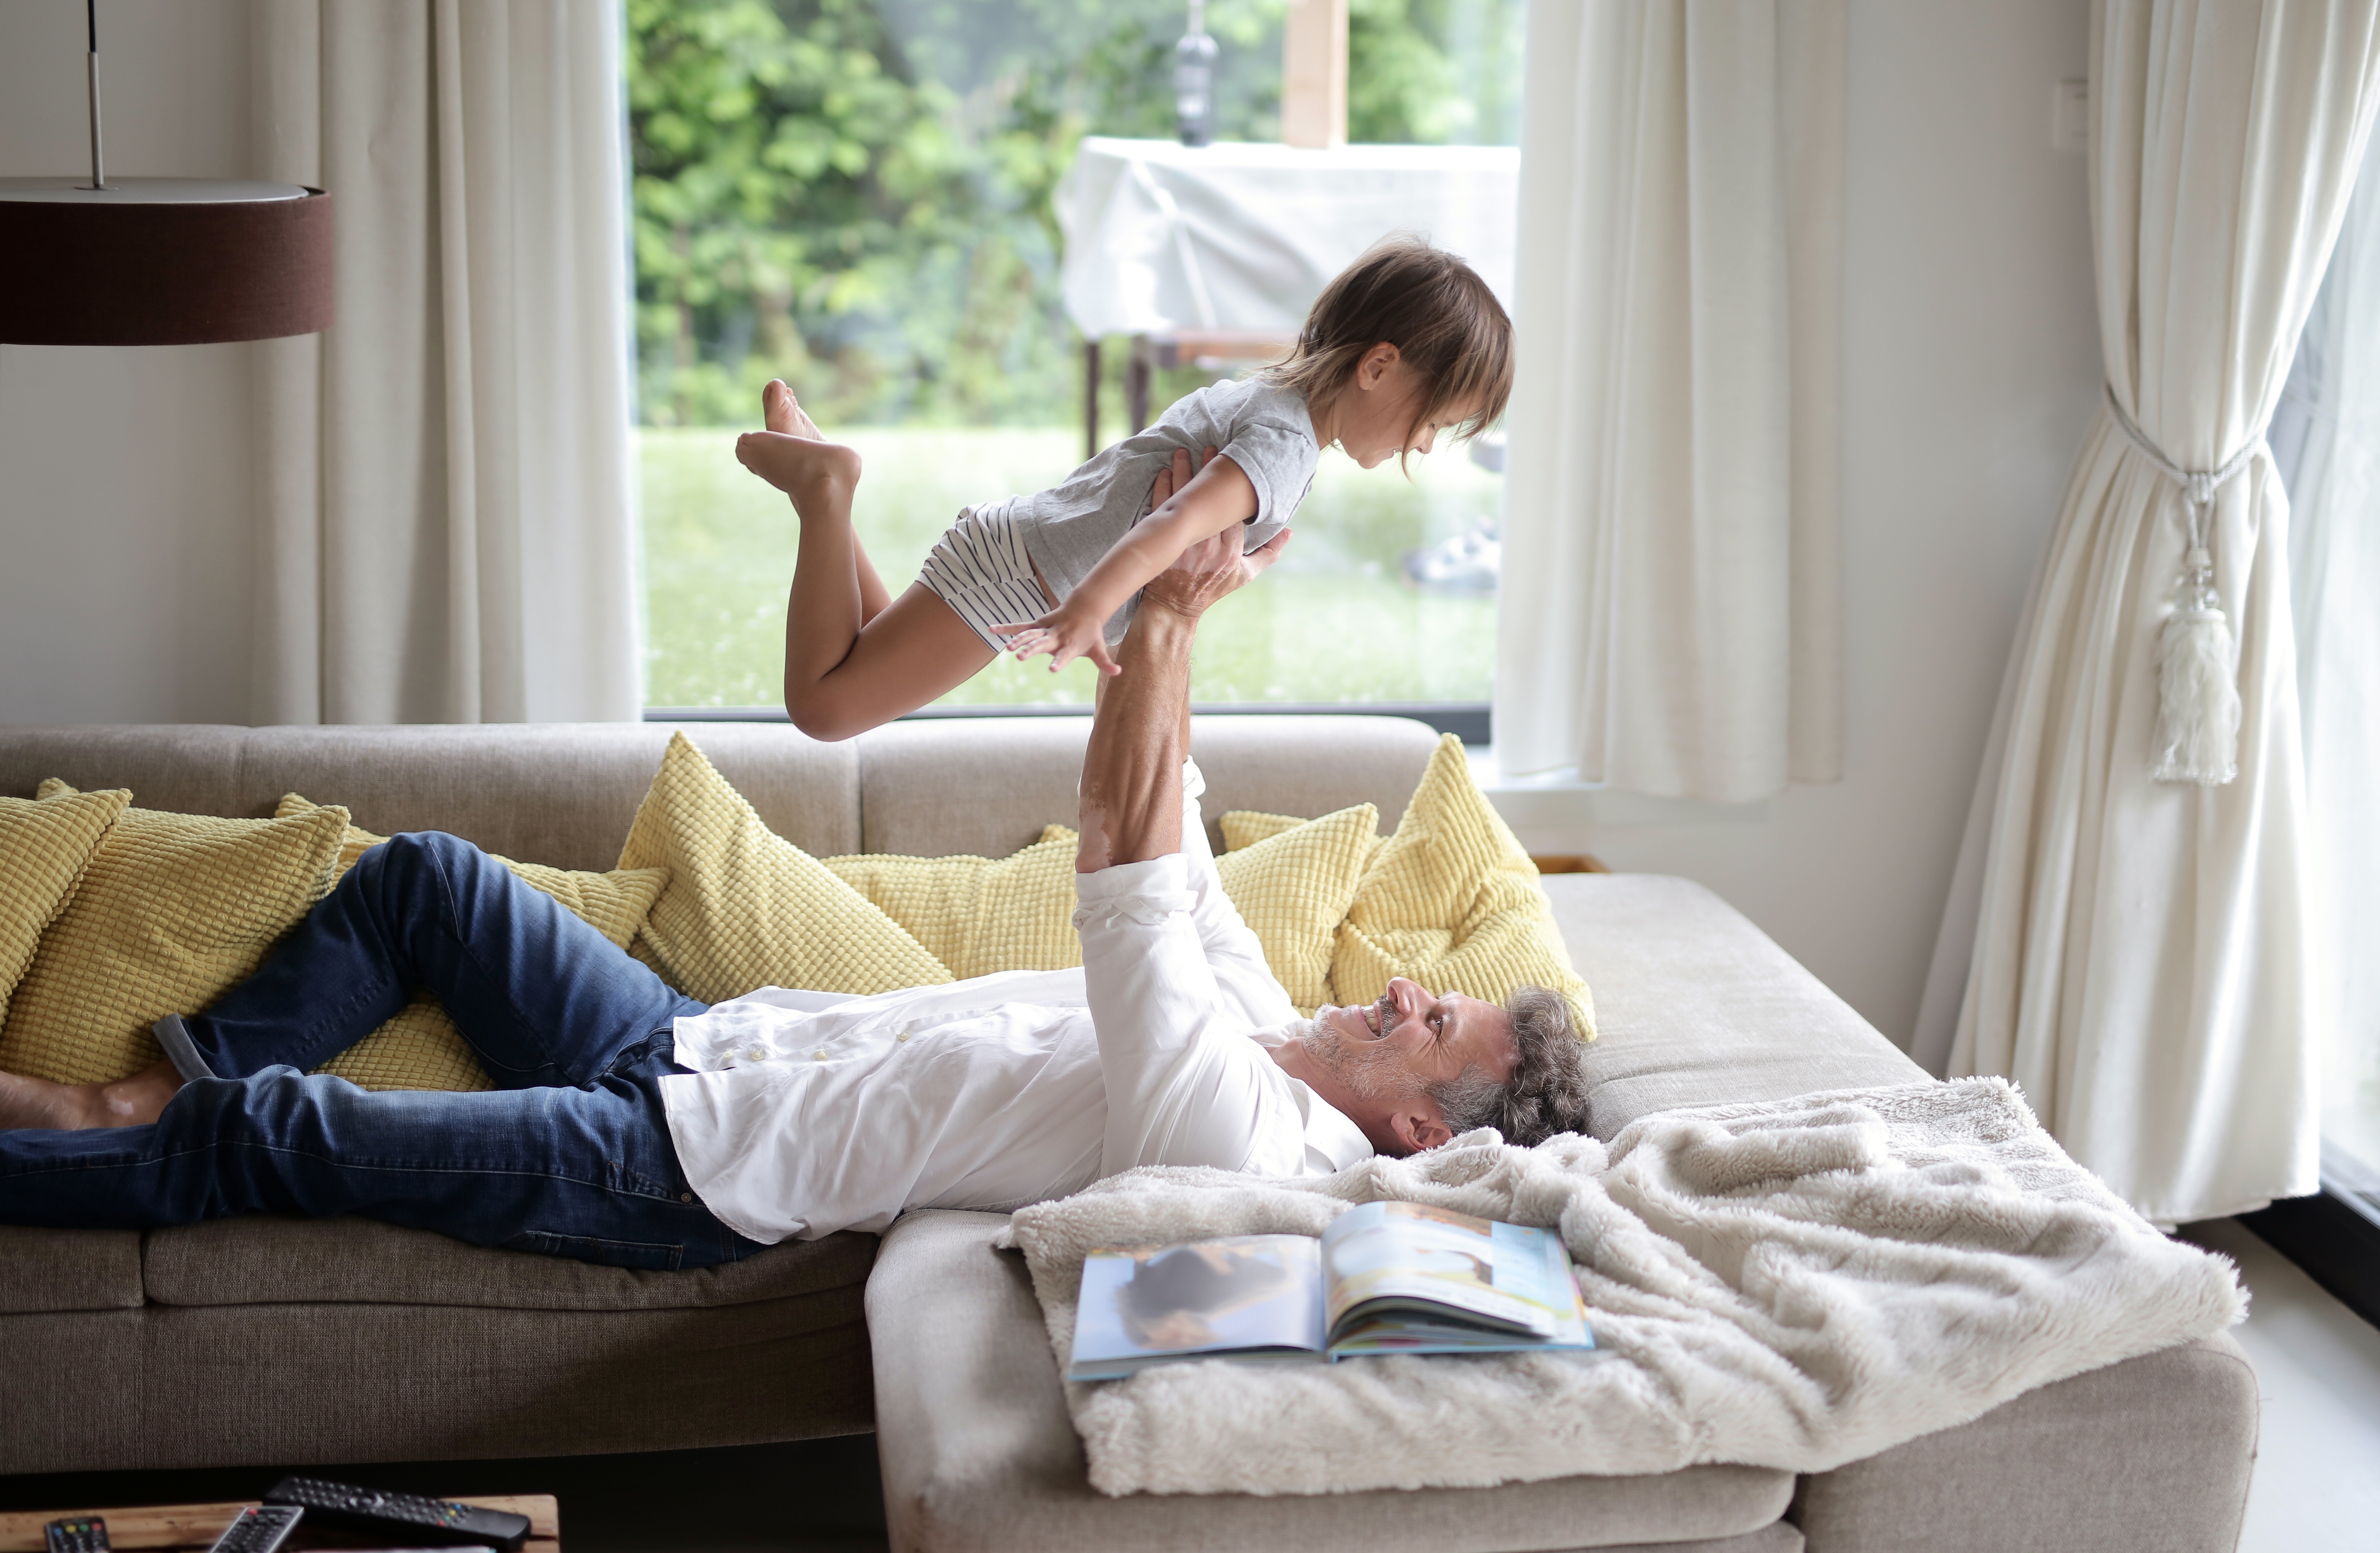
159 262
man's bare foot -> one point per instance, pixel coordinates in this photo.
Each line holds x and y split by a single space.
128 1102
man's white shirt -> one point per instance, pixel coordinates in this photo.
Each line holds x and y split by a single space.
809 1113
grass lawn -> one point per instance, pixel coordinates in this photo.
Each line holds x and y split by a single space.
1335 621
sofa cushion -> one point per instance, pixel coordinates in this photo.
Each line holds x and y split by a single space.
68 1270
172 910
744 908
2153 1453
270 1259
1696 1006
979 915
1293 889
613 902
43 847
988 786
1452 902
977 1452
557 793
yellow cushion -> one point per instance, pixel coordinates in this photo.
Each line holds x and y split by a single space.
746 908
1293 887
172 911
1453 903
421 1049
1244 828
975 915
43 847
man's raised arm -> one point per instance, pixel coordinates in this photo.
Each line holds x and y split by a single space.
1132 774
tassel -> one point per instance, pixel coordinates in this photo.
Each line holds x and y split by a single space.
2198 698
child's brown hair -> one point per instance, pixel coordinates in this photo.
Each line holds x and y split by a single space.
1444 321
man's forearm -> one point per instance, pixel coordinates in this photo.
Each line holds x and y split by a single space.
1132 774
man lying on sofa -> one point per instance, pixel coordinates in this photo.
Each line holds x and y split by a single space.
640 1128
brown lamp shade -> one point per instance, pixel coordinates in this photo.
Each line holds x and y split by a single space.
162 262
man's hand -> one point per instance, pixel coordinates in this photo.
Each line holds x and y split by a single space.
1208 571
1132 774
1067 632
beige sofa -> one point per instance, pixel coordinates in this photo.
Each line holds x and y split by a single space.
354 1341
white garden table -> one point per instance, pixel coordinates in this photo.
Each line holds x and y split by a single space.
1215 252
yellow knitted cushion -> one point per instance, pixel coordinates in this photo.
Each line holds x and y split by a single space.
1452 902
421 1049
172 910
1244 828
746 908
1293 889
975 915
42 850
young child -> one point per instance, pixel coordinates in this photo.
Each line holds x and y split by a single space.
1407 342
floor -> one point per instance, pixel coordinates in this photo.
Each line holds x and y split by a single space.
2316 1489
2317 1483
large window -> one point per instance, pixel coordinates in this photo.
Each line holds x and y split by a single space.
2326 442
857 196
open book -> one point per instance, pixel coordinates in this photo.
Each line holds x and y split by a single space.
1385 1278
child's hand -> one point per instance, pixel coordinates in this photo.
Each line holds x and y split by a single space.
1065 634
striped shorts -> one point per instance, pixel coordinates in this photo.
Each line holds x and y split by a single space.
979 568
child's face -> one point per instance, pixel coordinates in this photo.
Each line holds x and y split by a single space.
1377 407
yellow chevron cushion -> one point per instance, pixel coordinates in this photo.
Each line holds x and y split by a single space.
1293 887
1453 903
975 914
746 908
172 910
42 850
421 1049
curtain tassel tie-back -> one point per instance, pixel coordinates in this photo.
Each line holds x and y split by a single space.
2198 691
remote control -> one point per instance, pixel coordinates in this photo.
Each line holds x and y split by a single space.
407 1517
259 1529
77 1534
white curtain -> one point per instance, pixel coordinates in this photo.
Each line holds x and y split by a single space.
1669 618
443 476
2141 955
2326 441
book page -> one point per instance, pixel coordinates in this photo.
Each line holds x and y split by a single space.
1242 1294
1406 1257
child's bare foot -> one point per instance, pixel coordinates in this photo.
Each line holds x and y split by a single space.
780 411
818 475
127 1102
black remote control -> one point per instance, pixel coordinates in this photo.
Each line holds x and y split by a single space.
259 1529
407 1517
77 1534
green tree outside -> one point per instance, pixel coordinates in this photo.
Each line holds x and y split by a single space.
856 196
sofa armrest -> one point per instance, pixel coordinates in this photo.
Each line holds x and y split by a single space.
2151 1454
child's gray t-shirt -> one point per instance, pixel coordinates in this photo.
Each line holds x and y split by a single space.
1264 429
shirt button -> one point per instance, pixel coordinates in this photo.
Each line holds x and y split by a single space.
758 1053
818 1056
902 1037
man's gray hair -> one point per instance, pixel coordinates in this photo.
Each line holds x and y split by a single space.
1546 1093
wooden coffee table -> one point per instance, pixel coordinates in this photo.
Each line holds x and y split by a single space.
197 1526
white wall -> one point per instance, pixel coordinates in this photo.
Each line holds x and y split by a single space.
1970 369
124 472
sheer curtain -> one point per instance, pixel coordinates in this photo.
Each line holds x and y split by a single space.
2326 441
1670 619
2141 958
443 476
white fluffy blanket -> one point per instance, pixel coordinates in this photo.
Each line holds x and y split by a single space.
1792 1284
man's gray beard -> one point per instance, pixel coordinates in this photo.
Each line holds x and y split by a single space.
1371 1070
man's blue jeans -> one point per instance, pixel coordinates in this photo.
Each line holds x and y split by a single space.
571 1156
